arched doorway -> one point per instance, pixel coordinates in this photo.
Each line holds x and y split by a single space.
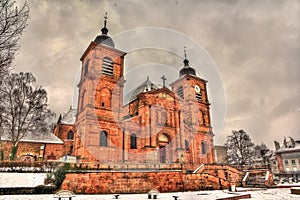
163 141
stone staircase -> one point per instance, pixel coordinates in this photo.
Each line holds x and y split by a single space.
257 178
227 175
221 175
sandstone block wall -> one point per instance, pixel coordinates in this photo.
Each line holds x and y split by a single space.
139 182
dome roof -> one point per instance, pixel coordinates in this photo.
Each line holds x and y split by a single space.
187 69
104 39
143 87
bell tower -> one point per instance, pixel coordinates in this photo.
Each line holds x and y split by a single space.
100 100
195 114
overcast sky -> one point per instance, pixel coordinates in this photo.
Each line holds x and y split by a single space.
251 48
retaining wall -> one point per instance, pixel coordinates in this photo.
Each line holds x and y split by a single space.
138 182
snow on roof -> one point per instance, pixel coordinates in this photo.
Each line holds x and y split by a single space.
48 138
70 117
289 148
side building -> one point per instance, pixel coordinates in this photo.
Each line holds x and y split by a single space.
288 157
34 147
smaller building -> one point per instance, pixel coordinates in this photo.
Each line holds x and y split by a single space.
288 156
221 154
34 147
46 146
65 130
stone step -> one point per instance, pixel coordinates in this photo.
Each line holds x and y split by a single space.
243 196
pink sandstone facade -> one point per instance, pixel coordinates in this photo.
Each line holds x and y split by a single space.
156 125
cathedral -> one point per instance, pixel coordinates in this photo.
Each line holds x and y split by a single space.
156 124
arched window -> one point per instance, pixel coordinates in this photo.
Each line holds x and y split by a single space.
187 145
180 92
86 66
70 135
203 148
82 101
107 66
103 139
163 138
133 141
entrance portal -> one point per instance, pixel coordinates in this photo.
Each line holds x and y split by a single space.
163 141
162 154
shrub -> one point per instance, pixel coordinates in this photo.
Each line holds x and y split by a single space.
60 174
42 189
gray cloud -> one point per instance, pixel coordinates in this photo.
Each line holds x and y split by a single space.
255 45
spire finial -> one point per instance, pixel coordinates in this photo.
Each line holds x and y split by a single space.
104 30
164 80
185 61
105 19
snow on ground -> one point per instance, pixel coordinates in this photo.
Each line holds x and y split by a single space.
261 194
21 179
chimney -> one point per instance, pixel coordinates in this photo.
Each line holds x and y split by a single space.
277 146
284 143
292 142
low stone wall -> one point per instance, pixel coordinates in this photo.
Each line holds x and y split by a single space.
122 182
138 182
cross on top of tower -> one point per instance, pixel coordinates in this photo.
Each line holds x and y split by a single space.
104 30
185 61
186 68
105 19
164 80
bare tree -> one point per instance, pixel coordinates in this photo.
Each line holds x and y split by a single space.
12 23
1 131
260 153
24 108
240 148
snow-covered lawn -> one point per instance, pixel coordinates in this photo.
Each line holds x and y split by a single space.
21 179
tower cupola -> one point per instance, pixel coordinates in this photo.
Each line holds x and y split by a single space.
187 69
104 38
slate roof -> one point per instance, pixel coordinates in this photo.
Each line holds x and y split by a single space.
70 117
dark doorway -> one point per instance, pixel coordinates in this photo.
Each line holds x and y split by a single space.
162 154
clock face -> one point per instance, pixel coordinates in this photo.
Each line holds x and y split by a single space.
197 88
